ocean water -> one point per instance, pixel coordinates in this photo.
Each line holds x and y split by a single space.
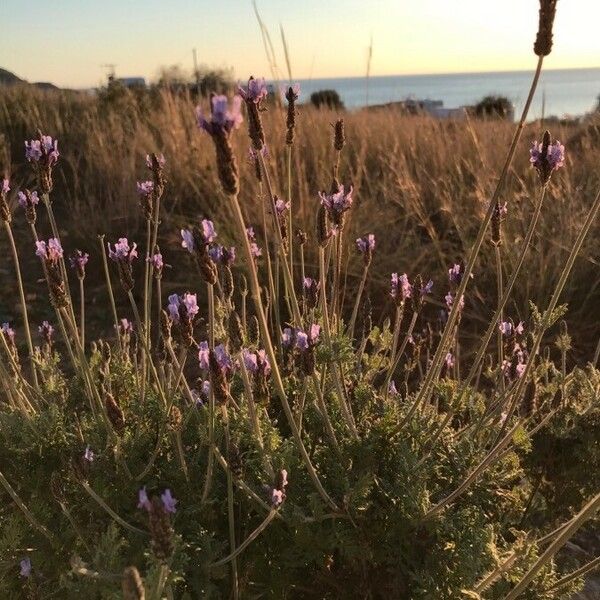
566 91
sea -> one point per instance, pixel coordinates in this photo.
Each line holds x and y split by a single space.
560 92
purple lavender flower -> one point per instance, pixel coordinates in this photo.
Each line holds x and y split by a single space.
43 150
26 200
156 260
208 231
281 206
187 240
449 360
426 289
287 337
401 288
392 389
254 248
250 361
220 254
5 187
145 188
46 332
255 91
168 501
78 262
8 332
366 243
51 251
203 356
143 501
449 298
285 91
304 340
88 455
454 274
186 304
25 567
505 328
550 158
223 359
222 117
126 327
122 252
337 204
277 497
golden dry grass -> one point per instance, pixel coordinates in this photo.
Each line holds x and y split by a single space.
420 185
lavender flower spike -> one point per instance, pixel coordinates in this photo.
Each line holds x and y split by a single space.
25 567
255 91
168 501
547 157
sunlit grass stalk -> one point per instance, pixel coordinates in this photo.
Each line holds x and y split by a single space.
361 288
255 290
110 291
15 255
211 397
500 294
436 364
290 215
82 311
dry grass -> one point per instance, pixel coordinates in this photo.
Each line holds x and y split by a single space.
420 185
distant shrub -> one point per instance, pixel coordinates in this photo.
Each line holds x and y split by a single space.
494 106
328 99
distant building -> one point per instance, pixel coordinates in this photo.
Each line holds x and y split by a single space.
132 82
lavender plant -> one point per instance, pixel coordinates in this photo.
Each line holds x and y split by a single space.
285 446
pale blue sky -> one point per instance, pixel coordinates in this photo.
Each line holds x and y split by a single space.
67 41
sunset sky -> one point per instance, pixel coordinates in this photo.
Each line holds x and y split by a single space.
67 41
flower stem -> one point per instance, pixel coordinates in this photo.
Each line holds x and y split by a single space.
110 291
15 254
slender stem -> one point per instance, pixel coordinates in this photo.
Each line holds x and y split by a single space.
574 524
396 361
290 216
211 399
110 291
82 312
587 568
500 294
361 287
230 511
15 254
86 486
23 508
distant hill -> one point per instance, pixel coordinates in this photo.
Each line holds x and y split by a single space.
9 78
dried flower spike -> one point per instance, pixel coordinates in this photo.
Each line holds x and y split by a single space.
132 585
543 41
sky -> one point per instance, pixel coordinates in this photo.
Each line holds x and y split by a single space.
66 42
